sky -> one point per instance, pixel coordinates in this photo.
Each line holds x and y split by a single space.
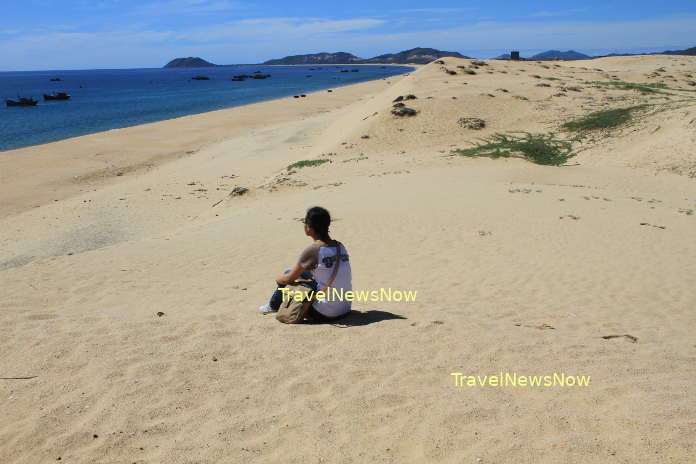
106 34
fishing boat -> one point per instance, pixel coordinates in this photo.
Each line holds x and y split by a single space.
200 78
57 96
23 101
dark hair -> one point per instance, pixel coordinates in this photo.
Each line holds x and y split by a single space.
318 219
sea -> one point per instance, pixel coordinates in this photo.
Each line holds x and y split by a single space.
113 98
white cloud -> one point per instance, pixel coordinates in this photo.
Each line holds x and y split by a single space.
278 30
178 7
436 10
555 14
652 33
258 39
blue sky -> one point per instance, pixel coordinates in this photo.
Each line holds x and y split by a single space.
83 34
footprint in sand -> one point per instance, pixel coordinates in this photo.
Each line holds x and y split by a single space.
42 317
537 326
628 337
652 225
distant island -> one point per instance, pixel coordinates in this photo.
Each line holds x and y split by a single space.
551 55
317 58
689 51
558 55
573 55
190 62
416 55
413 56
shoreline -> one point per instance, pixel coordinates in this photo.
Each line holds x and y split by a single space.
93 159
205 67
263 100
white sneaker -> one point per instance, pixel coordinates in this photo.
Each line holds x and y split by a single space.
266 309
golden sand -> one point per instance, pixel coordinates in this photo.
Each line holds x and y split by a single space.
519 268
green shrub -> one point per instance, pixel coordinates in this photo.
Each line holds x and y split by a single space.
404 111
308 163
543 149
604 119
642 88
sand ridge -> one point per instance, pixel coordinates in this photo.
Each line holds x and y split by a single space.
518 267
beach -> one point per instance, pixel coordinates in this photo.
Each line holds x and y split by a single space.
131 278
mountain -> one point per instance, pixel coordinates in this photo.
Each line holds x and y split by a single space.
414 55
689 51
317 58
190 62
618 54
558 55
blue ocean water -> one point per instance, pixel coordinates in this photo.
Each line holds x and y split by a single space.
109 99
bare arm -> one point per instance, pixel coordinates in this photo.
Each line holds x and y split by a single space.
307 261
290 277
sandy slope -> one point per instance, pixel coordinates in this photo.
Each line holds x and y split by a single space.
518 267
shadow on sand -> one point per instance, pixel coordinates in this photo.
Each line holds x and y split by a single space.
358 318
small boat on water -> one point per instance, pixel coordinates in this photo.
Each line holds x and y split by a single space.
200 78
23 101
242 77
57 96
56 79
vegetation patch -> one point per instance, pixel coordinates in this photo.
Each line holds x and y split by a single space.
404 111
642 88
308 163
472 123
466 70
604 119
402 98
238 191
543 149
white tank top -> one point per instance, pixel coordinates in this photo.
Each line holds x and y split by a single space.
333 306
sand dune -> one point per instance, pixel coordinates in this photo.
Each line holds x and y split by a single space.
519 268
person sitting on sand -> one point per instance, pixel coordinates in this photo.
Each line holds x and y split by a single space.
314 269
